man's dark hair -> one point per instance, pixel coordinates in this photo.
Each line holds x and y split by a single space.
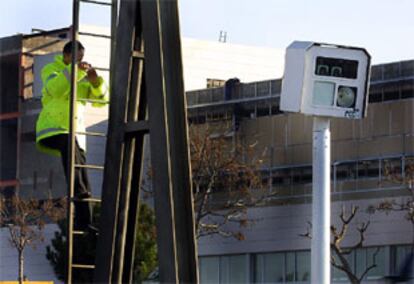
68 47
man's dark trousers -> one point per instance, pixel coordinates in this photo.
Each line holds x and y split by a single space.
83 215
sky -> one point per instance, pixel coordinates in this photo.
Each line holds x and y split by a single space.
384 27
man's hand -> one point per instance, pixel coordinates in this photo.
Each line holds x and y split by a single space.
85 66
93 77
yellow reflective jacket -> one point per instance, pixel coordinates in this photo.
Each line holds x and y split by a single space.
54 117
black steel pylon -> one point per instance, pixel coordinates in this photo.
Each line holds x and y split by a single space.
147 97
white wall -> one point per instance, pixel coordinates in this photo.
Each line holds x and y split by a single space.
203 59
216 60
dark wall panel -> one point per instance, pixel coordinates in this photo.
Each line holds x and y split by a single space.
9 83
10 48
8 149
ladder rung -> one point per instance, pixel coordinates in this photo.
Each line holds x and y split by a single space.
94 35
138 54
83 266
97 200
136 126
93 101
99 134
102 69
97 2
92 167
82 233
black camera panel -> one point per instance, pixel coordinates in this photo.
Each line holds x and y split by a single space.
336 67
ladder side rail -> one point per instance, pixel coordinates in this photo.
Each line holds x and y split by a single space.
179 137
96 2
114 24
115 144
94 35
159 143
71 167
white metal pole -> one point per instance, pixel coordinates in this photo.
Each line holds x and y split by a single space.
321 203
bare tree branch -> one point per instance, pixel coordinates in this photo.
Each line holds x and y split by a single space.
219 169
401 177
372 266
338 235
24 219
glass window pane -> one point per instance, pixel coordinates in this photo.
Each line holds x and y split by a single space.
209 270
290 267
379 270
402 259
224 269
368 169
273 267
346 171
361 261
391 172
258 268
338 274
237 269
303 265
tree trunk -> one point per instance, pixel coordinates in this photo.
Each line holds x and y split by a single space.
21 266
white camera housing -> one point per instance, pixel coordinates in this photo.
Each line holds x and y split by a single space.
326 80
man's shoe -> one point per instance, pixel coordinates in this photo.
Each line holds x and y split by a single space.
91 229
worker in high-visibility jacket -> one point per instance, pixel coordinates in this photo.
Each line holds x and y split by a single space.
52 127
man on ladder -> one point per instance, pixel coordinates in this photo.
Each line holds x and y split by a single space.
52 127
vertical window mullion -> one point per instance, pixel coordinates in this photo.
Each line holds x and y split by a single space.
284 267
294 265
248 269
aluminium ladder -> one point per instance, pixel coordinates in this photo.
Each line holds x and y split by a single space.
146 99
70 266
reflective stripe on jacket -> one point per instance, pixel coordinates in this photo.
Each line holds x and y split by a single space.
54 117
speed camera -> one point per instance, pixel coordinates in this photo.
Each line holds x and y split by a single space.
325 80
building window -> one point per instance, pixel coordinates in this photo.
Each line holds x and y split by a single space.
361 259
375 97
269 267
282 267
368 169
295 266
303 266
346 176
224 269
209 269
400 258
392 93
346 171
391 172
290 267
263 108
407 90
282 177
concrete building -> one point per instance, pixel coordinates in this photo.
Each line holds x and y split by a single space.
273 251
